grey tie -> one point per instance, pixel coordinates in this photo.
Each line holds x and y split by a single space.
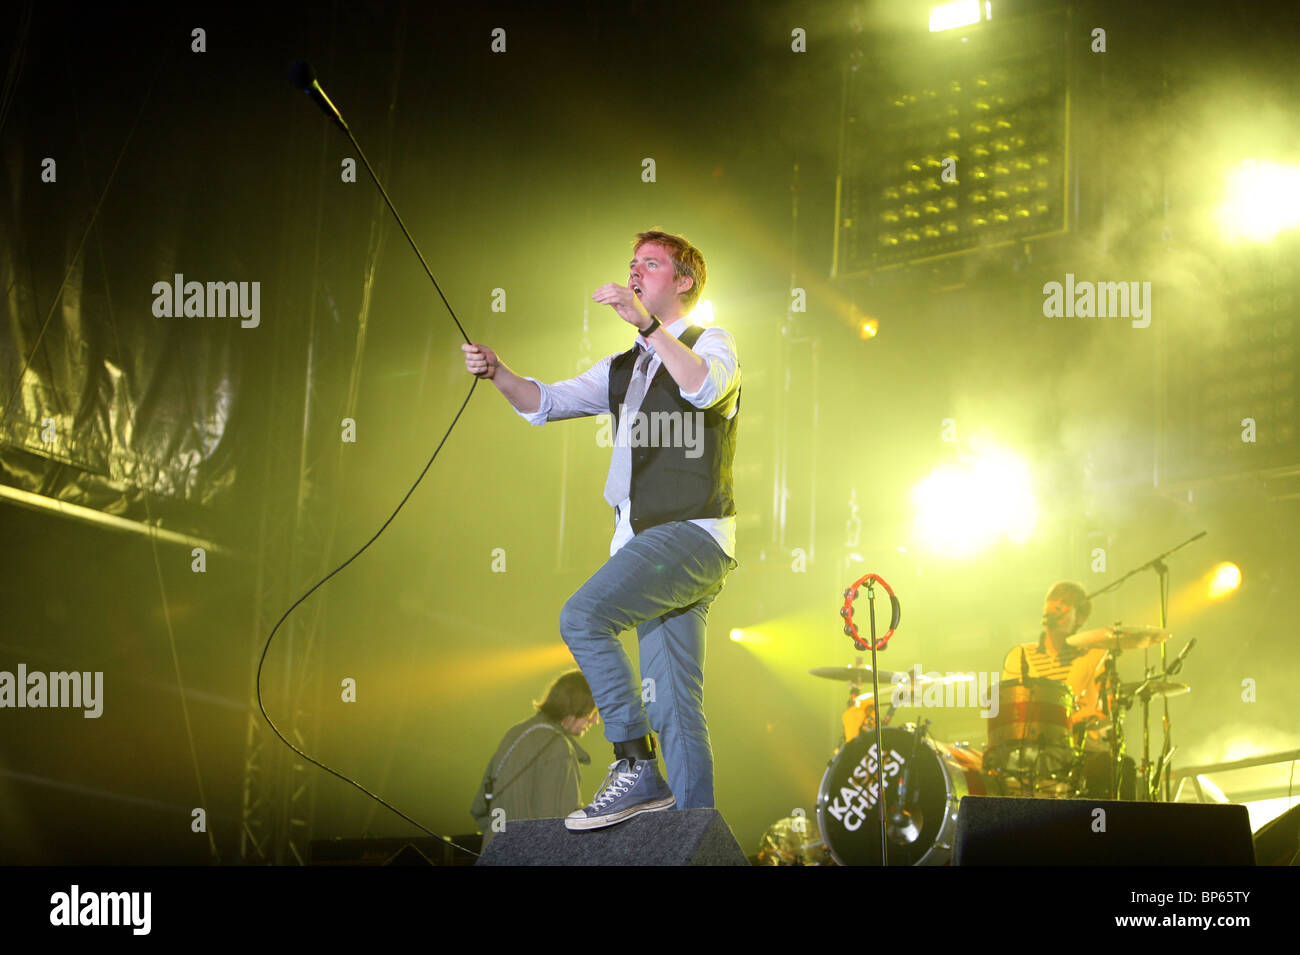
619 483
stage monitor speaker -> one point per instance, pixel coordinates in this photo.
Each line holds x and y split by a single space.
674 837
993 830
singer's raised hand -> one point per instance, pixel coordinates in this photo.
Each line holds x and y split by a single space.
624 301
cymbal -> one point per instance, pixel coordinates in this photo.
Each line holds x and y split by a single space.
1118 638
860 674
1154 688
852 674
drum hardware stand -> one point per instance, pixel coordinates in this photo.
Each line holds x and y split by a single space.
1151 780
855 690
1151 785
1167 750
1110 707
1150 788
880 749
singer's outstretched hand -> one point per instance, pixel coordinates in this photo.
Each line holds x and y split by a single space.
480 361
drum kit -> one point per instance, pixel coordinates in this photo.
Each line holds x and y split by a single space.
1042 743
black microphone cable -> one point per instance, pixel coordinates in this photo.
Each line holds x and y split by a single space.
302 77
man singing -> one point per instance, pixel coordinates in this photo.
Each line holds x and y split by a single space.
675 398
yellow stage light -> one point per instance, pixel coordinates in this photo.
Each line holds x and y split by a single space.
868 328
752 639
1224 579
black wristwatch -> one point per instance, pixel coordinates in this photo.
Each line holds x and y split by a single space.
654 323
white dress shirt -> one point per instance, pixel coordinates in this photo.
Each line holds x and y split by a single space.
588 394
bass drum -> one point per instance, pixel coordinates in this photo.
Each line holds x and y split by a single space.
922 833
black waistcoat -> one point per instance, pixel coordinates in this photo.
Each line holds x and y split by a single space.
667 483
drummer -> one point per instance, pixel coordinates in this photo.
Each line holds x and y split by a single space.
1065 609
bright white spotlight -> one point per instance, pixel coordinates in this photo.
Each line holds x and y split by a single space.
962 509
1263 199
952 15
738 635
702 314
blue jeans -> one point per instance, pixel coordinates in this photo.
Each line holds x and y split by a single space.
661 582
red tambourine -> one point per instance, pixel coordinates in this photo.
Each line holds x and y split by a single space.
851 628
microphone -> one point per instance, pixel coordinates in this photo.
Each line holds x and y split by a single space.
1178 660
905 827
302 76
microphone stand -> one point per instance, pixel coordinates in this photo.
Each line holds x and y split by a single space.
1154 564
1151 787
880 751
303 77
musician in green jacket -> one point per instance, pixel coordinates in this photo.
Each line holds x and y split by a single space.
534 772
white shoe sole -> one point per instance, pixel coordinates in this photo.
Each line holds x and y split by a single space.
602 822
